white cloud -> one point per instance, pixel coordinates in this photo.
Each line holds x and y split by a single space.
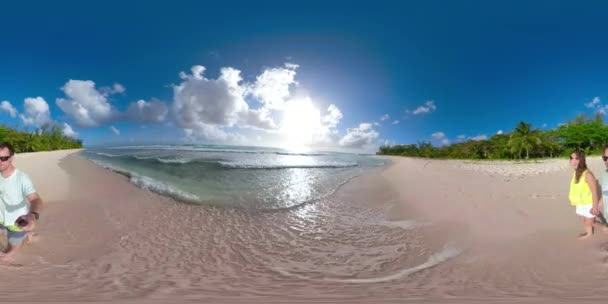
598 106
500 132
441 137
375 123
461 137
384 117
332 119
68 131
117 88
428 107
87 106
593 103
479 137
395 122
359 137
258 119
116 131
202 106
8 107
438 135
36 112
271 88
329 124
151 111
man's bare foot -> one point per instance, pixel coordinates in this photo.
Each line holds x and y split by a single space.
6 259
30 238
584 235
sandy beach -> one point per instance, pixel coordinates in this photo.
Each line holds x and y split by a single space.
415 230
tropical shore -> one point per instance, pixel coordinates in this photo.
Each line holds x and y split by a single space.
509 230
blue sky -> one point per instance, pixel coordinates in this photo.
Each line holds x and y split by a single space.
314 74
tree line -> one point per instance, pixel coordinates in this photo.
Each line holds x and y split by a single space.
47 138
588 134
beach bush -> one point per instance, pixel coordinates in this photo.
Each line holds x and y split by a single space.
589 134
46 138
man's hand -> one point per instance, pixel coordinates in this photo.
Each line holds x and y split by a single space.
31 222
595 210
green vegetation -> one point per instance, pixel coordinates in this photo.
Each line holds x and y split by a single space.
46 138
589 134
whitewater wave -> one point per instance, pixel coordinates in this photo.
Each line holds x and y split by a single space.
105 154
173 160
233 165
449 251
218 150
151 184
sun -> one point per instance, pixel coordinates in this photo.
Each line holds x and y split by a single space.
301 122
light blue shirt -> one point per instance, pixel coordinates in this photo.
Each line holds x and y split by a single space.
13 196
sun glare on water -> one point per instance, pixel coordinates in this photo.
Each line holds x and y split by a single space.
301 122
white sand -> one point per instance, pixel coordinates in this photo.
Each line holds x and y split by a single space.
101 238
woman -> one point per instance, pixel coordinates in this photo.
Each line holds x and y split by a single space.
583 193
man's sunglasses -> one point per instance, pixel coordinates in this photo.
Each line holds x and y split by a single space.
604 157
5 158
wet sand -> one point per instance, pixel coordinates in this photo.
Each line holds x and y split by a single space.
417 230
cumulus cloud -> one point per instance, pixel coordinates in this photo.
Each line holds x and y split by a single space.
117 88
258 119
395 122
36 112
500 132
116 131
68 131
8 107
595 102
329 124
428 107
151 111
438 135
441 137
597 105
271 88
204 105
479 137
384 117
461 137
358 137
87 106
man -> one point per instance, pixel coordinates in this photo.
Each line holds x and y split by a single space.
19 203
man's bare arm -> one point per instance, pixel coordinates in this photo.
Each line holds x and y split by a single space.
35 202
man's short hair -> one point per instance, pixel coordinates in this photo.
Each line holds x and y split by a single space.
4 145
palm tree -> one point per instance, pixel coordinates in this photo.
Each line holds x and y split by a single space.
523 138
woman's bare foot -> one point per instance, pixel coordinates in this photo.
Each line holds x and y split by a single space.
584 235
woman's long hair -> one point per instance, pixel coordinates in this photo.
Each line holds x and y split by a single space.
582 164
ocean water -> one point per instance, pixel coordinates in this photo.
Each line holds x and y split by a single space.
234 176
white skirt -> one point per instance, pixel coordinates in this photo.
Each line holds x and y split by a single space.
585 210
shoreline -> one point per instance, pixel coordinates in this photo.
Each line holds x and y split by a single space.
370 231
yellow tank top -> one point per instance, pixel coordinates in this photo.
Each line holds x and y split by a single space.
580 194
